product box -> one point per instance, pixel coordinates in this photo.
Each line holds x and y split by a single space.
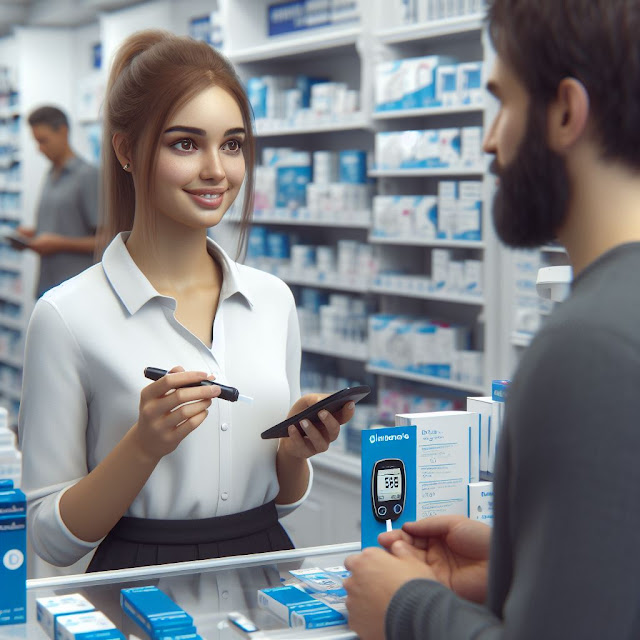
498 396
481 501
155 612
13 552
317 618
483 406
48 610
289 599
417 469
92 625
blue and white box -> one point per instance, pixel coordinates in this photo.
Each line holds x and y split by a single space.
49 609
298 608
470 83
352 166
13 553
483 406
155 612
92 625
481 501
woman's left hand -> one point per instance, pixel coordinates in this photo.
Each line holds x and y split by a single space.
318 437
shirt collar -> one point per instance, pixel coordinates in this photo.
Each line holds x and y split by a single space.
72 163
134 290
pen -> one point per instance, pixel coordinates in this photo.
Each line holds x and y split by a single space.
227 393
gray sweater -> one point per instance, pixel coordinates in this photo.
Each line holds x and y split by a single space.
565 550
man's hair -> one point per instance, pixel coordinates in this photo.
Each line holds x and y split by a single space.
50 116
594 41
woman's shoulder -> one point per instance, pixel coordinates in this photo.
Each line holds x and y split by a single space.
262 282
79 292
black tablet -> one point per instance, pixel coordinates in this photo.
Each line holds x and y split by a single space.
331 403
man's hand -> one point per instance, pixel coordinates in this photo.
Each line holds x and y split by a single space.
376 575
454 547
47 244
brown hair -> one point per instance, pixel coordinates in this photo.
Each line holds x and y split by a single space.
595 41
50 116
153 75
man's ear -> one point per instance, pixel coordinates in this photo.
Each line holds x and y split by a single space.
121 148
568 115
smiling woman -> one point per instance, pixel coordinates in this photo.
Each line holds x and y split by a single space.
167 471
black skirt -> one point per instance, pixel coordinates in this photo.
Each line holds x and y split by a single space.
139 542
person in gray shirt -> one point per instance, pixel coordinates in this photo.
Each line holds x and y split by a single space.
563 559
67 215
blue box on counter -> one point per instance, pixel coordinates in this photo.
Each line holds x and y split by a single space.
13 556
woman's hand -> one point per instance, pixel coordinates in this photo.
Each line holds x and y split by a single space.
170 411
318 438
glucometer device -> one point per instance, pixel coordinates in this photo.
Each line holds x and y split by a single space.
331 404
227 393
388 489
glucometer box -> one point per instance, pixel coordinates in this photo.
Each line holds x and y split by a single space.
418 469
157 613
49 610
13 556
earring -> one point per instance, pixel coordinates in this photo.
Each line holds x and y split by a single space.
127 166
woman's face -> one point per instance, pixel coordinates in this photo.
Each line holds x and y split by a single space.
200 164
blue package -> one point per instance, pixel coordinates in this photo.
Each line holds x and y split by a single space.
13 552
352 167
155 611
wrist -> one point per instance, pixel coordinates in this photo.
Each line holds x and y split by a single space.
140 453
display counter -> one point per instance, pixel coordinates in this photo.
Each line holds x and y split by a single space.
206 589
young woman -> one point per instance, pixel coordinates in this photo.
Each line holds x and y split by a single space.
163 472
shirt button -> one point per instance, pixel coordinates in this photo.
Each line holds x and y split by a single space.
225 595
224 495
224 426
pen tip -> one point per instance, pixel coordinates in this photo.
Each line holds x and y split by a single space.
245 399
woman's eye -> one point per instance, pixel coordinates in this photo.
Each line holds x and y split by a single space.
232 145
184 145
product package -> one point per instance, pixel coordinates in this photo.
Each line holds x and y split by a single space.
13 552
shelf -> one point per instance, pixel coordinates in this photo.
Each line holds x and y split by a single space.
14 298
345 349
424 173
346 464
426 112
12 361
417 242
14 267
435 29
432 380
10 392
11 323
274 128
292 45
276 218
441 297
338 284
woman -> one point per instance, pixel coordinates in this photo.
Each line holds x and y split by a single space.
190 472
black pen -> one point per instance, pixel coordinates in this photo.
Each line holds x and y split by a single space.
227 393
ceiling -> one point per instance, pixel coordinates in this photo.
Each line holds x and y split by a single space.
54 13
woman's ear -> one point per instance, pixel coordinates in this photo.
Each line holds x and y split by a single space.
568 115
121 149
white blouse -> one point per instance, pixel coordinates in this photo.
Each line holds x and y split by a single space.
87 344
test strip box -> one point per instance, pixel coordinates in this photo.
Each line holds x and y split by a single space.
481 501
13 556
92 625
48 610
288 599
155 612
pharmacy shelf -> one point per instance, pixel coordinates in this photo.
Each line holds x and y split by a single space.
432 380
349 350
12 361
338 462
296 44
419 242
10 392
7 265
13 216
433 29
426 112
272 218
424 173
519 339
440 297
339 284
275 128
14 298
11 323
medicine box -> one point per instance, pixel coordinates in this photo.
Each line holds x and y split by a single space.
13 557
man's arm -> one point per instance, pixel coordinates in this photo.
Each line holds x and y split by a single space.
49 243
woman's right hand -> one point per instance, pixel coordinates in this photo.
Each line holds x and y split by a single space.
170 411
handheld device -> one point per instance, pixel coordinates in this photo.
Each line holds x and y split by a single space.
330 403
17 240
388 489
228 393
241 623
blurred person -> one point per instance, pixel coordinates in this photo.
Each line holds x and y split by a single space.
166 472
67 214
562 558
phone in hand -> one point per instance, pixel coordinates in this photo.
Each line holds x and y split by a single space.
331 404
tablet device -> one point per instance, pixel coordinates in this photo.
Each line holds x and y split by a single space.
331 403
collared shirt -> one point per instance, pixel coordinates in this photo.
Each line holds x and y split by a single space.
87 345
69 207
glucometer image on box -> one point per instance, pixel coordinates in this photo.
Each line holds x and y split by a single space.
331 404
227 393
388 489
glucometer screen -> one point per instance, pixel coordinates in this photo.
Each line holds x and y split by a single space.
389 484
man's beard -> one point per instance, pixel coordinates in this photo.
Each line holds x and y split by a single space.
532 198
